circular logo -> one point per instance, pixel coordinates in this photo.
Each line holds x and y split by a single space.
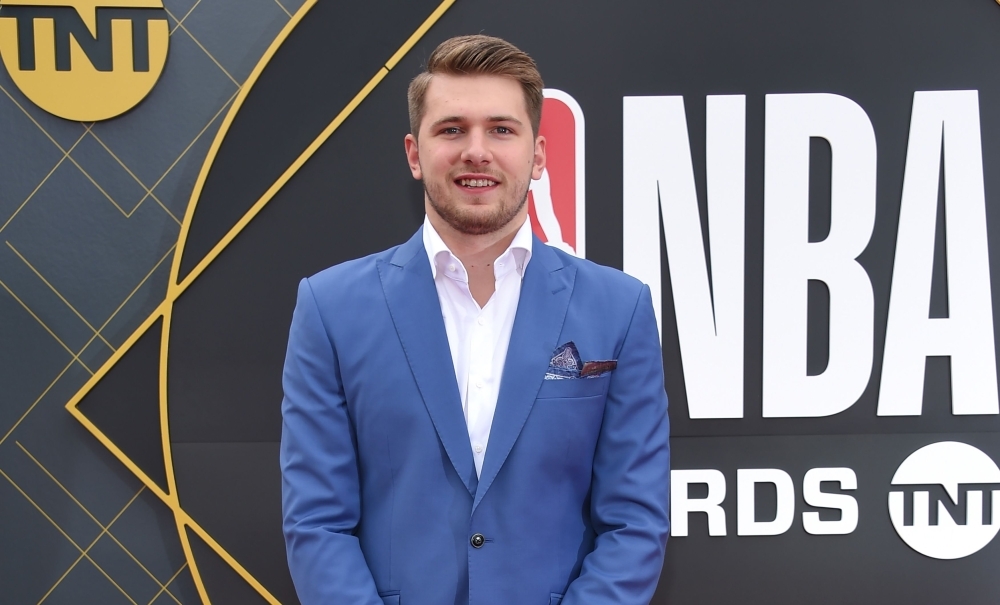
949 504
84 60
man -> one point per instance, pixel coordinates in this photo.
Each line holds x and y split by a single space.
473 416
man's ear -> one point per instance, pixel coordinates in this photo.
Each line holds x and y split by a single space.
413 155
538 162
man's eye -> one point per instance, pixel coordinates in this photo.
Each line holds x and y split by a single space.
503 130
450 130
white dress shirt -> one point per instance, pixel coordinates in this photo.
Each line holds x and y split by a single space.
478 336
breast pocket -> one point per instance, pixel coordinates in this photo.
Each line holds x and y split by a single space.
574 388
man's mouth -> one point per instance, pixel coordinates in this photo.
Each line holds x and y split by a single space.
474 183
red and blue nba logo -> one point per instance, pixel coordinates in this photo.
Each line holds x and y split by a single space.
556 201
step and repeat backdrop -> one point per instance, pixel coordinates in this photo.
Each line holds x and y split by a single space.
806 187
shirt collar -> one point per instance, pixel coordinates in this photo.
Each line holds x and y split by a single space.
440 256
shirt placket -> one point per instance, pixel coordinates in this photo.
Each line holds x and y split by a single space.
480 382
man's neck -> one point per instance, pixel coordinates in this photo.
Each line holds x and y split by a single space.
477 252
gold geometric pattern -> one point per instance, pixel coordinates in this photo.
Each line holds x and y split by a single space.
164 311
53 133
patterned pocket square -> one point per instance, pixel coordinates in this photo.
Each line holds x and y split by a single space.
566 363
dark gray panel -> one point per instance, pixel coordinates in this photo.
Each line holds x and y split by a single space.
126 571
333 52
36 484
229 328
148 530
223 585
125 405
233 491
33 549
24 371
87 584
73 234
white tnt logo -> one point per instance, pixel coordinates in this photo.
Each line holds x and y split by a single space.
950 505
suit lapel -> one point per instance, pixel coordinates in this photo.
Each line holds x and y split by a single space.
541 310
416 312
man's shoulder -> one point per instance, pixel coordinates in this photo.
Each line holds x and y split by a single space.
590 274
347 276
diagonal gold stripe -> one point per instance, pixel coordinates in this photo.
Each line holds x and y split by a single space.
188 148
282 6
61 297
418 34
90 546
76 358
65 154
180 25
182 19
168 583
32 118
174 292
133 292
65 535
42 323
104 530
40 397
149 192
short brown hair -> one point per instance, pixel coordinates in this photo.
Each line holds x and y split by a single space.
478 55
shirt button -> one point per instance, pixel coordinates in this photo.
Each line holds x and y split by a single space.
479 384
479 448
451 267
478 540
482 321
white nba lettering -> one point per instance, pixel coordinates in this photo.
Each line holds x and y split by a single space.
847 505
746 485
659 177
966 335
790 261
681 505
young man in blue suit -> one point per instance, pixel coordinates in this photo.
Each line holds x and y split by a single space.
473 416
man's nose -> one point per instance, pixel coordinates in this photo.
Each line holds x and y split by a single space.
477 151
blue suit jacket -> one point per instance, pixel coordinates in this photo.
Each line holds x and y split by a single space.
380 493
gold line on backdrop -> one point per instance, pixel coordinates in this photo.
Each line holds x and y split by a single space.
174 289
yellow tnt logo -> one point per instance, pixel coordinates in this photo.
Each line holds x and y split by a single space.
84 60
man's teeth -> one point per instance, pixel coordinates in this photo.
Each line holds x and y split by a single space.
476 182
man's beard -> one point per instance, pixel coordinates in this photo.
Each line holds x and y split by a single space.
469 222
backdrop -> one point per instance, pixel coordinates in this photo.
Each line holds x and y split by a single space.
806 187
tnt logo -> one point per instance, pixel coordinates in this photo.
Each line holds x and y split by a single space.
84 60
556 208
948 502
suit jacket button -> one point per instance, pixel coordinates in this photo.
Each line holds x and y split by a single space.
478 540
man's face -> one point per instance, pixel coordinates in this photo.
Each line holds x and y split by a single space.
476 152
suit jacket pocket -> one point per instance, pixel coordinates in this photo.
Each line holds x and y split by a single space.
555 598
390 598
574 387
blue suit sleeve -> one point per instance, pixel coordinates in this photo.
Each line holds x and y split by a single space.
321 500
631 482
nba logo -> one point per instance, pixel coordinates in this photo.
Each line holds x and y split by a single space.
556 201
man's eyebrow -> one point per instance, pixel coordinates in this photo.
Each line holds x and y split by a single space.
447 120
460 119
511 119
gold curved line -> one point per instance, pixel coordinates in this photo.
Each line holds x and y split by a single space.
174 289
71 406
206 167
173 502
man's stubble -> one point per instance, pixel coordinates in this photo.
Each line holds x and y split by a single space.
475 223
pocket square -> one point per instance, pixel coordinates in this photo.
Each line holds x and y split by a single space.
566 364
